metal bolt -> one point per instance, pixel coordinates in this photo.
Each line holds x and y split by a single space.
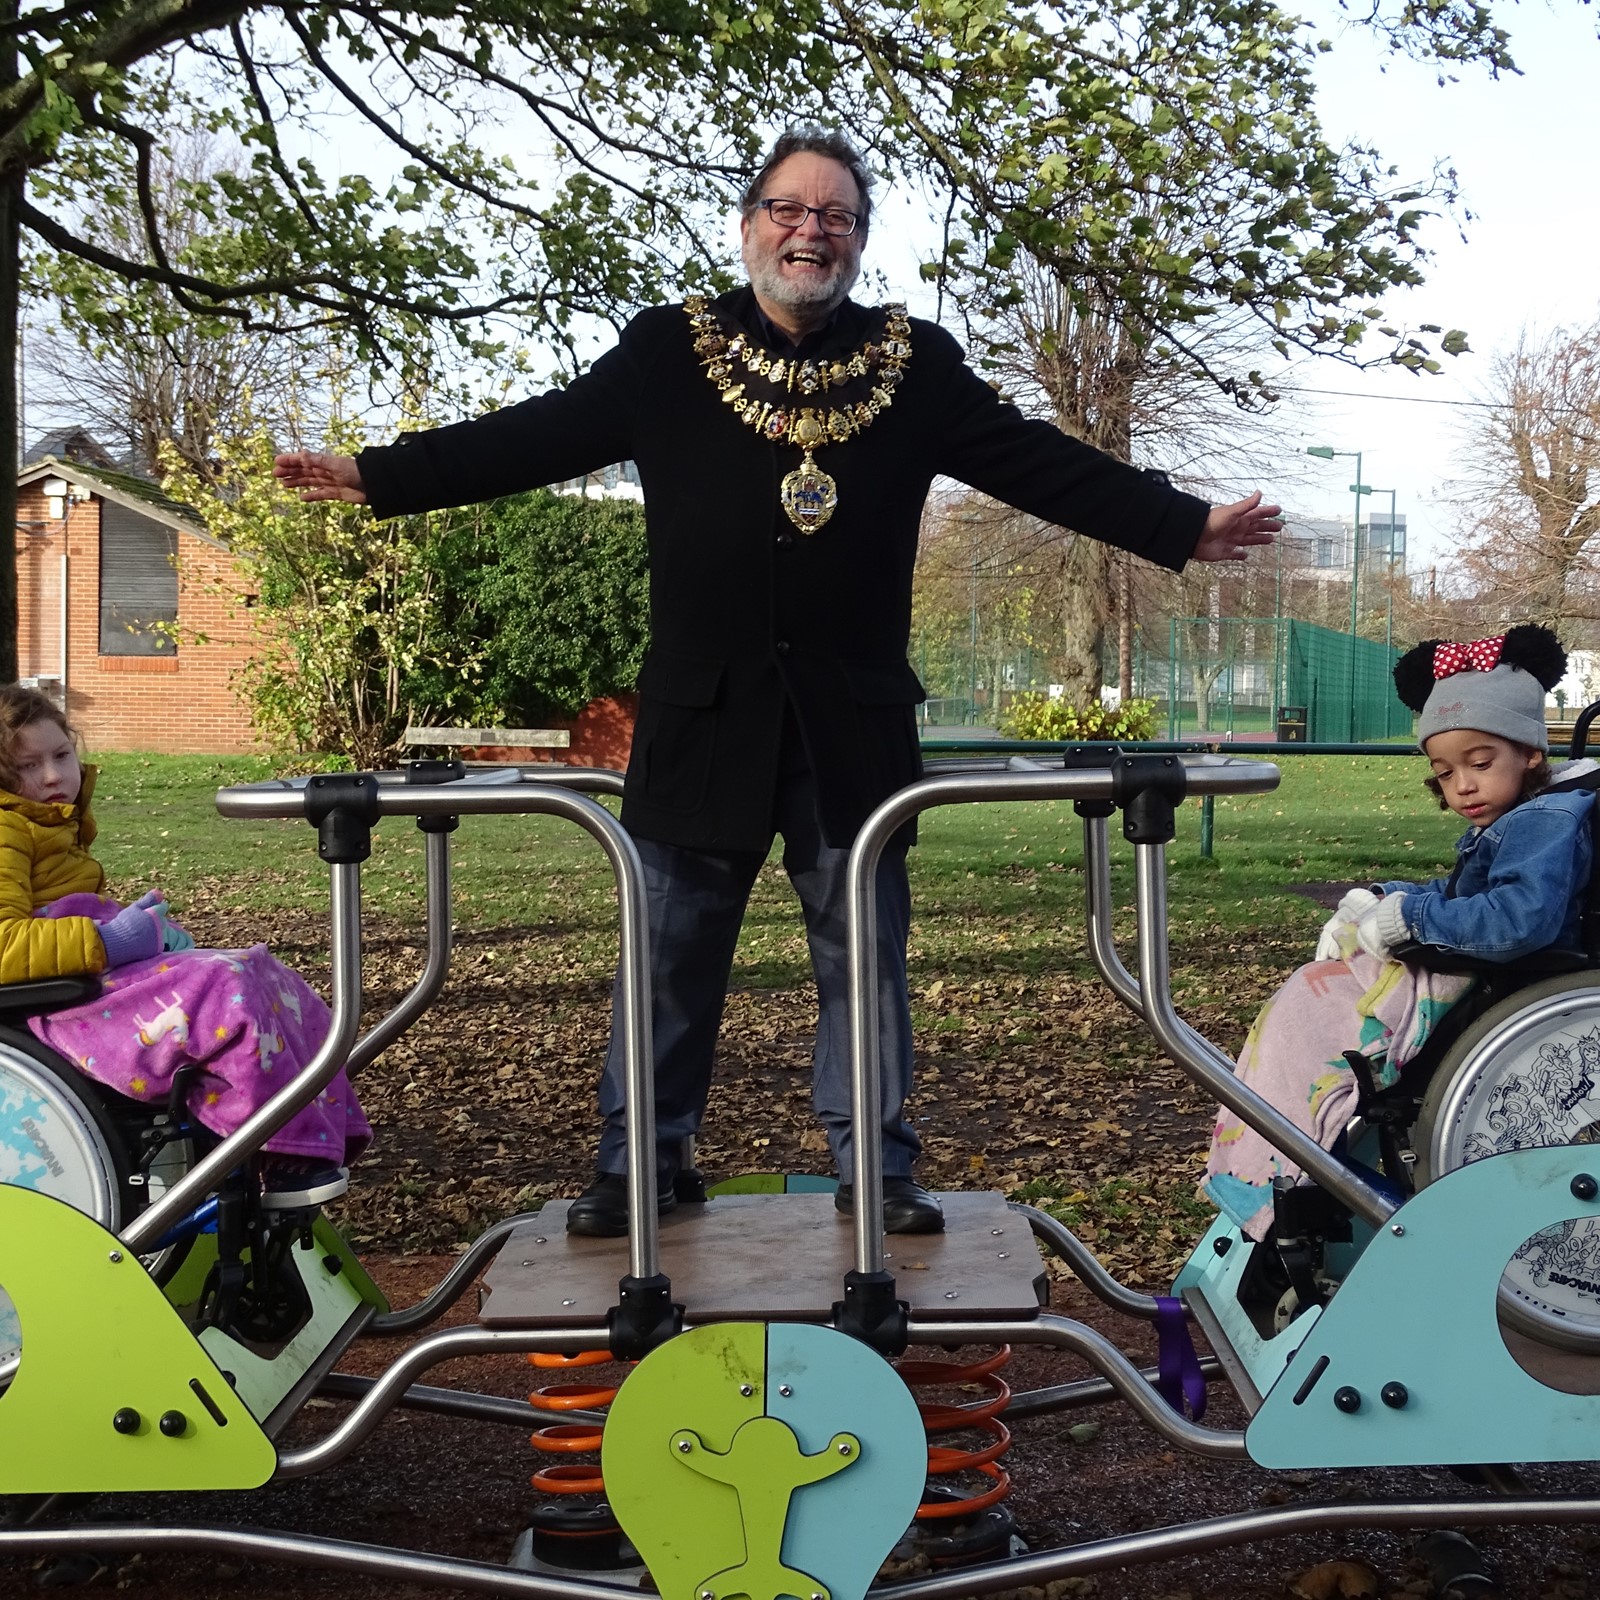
706 1594
1394 1395
684 1447
1398 1229
996 1232
785 1390
747 1389
950 1294
844 1449
569 1302
527 1263
1584 1187
114 1257
538 1241
1347 1400
1005 1255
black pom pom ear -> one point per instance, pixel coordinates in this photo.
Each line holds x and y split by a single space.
1413 674
1535 650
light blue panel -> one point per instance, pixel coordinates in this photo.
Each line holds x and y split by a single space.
842 1528
1419 1309
807 1183
1217 1277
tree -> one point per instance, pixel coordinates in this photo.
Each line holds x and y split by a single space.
1531 470
639 118
345 608
135 367
550 594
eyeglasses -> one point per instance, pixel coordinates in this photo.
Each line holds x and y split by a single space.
793 213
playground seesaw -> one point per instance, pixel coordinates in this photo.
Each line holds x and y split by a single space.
1430 1298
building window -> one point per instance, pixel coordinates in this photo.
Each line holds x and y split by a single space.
138 583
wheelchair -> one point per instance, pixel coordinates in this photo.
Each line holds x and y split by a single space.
110 1157
1514 1065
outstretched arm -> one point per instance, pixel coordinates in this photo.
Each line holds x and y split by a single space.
1231 531
321 477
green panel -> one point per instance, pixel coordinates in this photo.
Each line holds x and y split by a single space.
263 1381
99 1338
685 1525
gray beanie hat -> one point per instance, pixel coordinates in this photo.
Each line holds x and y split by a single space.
1507 701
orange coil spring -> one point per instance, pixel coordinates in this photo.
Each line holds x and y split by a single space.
981 1416
570 1438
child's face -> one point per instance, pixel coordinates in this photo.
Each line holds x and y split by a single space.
1480 774
46 763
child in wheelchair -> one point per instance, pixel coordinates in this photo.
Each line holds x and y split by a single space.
1517 887
228 1027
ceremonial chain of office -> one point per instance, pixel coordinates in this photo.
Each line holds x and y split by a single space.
808 494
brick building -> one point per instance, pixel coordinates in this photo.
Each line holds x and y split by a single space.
128 610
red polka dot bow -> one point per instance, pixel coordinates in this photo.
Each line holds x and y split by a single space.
1477 655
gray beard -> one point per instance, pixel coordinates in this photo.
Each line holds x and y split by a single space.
808 300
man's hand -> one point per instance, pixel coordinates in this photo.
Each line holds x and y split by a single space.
1231 531
323 477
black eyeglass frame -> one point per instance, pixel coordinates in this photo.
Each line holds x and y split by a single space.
821 213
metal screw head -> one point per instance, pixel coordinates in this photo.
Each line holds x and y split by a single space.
1398 1229
747 1389
706 1594
569 1302
785 1390
684 1447
114 1256
996 1232
538 1241
950 1294
1004 1255
844 1449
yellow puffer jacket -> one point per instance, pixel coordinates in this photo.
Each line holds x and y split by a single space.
43 855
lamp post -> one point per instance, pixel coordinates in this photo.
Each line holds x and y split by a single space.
1388 626
1327 453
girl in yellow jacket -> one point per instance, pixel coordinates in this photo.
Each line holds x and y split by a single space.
242 1018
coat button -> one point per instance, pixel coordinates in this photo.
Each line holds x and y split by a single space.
785 539
782 647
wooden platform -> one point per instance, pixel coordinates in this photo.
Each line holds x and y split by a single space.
769 1257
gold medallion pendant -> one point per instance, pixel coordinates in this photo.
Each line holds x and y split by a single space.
809 495
763 399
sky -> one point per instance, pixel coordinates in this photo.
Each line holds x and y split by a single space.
1524 149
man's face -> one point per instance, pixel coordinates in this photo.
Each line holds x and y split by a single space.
801 274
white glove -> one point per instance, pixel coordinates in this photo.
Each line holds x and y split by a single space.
1351 909
1382 928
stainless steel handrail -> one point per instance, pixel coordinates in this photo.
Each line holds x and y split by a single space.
1204 775
485 795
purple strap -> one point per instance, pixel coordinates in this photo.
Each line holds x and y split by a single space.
1180 1379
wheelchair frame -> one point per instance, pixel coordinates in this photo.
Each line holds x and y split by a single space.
1409 1404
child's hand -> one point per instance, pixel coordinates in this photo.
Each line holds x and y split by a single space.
1355 905
173 937
134 934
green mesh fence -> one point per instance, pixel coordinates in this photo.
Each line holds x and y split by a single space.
1272 677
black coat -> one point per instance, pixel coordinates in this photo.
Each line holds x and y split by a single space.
746 611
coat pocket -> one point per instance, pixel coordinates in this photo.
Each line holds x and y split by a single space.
675 741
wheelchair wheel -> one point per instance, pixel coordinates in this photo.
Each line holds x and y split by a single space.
57 1136
1526 1075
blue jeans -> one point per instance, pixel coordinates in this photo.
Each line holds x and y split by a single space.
696 901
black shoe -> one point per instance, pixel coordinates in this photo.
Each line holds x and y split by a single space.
601 1211
907 1206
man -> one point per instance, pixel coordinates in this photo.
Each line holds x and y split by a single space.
786 439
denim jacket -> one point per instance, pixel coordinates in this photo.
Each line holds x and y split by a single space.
1517 887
